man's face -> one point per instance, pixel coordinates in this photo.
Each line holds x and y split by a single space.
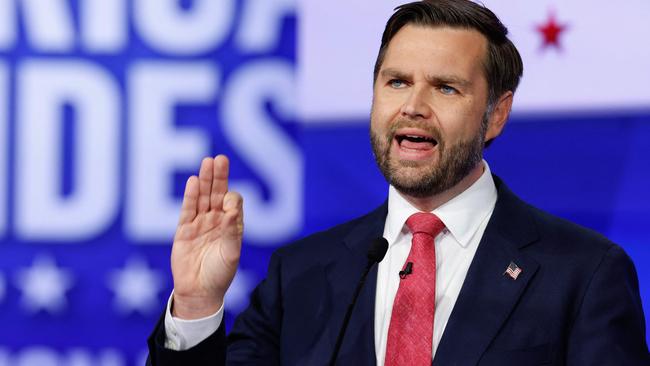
428 119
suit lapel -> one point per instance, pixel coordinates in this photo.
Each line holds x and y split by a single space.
488 295
343 275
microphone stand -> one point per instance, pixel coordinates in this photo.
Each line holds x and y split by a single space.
348 314
376 253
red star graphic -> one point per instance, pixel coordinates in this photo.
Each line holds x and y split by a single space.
551 31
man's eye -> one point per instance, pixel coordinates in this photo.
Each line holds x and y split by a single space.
397 83
448 90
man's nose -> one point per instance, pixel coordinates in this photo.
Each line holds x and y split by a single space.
417 104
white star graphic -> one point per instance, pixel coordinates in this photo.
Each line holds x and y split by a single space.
136 287
239 291
44 285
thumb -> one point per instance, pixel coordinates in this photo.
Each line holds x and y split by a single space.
233 219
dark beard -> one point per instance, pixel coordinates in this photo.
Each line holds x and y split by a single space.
455 163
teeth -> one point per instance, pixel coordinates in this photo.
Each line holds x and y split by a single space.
415 138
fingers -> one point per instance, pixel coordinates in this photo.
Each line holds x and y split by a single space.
219 181
190 200
205 184
211 187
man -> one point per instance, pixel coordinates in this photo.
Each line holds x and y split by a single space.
485 278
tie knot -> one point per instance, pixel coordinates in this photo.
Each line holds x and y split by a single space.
425 223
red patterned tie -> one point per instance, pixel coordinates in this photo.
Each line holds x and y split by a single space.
410 334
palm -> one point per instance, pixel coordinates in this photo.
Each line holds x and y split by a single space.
208 238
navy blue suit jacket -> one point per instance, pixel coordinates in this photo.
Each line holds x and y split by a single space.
575 303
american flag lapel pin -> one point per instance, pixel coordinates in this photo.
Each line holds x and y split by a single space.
513 270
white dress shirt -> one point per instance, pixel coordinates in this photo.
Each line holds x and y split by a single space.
465 218
184 334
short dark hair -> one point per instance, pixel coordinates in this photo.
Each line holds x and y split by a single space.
502 65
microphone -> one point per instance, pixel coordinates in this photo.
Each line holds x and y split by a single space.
376 253
406 271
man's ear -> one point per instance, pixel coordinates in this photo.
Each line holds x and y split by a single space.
499 116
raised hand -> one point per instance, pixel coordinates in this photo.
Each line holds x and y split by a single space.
208 241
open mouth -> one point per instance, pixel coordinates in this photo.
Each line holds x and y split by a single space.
417 142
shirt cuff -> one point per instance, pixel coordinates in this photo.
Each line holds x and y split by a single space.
184 334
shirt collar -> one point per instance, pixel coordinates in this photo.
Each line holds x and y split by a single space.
462 215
